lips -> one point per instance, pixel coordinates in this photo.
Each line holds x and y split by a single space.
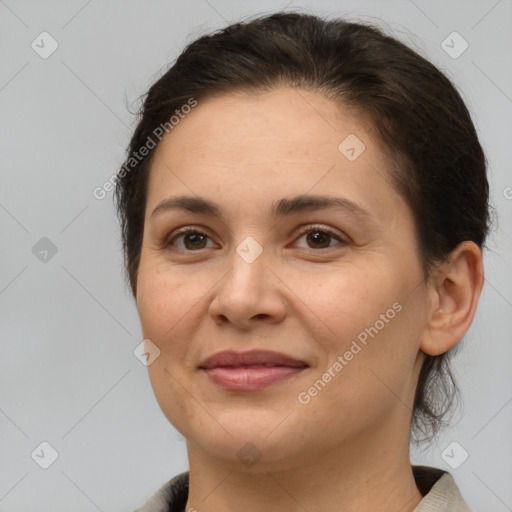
250 371
253 358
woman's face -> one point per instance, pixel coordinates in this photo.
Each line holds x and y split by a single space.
338 287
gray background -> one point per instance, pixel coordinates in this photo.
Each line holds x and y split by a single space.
68 327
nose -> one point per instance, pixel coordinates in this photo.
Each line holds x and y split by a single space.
250 293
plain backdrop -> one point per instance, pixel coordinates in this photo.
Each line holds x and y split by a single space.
69 326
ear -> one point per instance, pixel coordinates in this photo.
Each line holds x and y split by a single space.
454 289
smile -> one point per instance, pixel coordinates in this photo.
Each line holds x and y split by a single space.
250 371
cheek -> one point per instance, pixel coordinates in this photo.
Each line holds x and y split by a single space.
168 310
343 301
163 298
378 361
372 321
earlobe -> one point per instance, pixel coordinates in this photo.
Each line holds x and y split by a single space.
455 289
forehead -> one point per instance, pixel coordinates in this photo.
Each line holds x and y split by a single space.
253 146
262 124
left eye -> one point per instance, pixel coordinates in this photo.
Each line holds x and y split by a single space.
320 238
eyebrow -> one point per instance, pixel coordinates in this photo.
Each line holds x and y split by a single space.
280 208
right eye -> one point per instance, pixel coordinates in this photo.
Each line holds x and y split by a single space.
192 240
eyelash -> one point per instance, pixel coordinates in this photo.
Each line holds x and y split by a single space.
308 229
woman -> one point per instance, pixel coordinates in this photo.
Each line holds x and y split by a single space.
303 206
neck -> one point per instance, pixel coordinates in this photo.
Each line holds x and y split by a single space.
352 477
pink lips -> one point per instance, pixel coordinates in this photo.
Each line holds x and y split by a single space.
250 371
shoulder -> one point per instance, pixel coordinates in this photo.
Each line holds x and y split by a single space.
440 492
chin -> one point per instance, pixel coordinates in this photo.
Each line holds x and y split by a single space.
252 441
249 454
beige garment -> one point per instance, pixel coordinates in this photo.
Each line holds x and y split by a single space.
440 491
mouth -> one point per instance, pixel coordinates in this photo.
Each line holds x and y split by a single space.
250 371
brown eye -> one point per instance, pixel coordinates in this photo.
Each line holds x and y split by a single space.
191 240
320 238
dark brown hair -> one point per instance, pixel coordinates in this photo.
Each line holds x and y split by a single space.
422 121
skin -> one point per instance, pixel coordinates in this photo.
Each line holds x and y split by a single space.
348 448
